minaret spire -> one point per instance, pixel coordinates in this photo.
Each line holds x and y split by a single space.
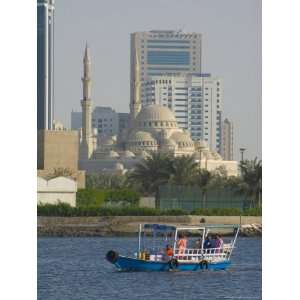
86 147
135 106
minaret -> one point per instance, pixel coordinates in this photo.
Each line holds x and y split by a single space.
135 105
86 147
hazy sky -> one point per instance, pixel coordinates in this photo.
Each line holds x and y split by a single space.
231 41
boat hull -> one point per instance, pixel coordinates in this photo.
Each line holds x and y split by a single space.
132 264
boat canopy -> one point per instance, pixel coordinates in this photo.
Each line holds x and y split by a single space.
160 227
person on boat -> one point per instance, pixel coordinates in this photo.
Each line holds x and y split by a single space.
181 244
219 243
169 251
207 244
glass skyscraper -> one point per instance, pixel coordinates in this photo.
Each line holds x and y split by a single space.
161 52
45 46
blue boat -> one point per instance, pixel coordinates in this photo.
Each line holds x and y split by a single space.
167 248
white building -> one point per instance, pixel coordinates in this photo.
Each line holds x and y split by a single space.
227 140
196 101
159 52
55 190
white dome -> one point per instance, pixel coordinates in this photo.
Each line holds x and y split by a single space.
182 139
112 154
155 116
141 136
128 154
108 141
119 167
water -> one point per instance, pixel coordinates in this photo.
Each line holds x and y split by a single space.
75 268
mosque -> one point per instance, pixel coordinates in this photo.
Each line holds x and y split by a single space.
152 128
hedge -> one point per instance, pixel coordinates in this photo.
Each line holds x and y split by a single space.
65 210
97 197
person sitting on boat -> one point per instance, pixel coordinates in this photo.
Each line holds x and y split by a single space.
169 251
207 244
182 242
219 243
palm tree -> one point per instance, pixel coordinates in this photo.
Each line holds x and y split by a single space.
183 170
251 173
152 172
202 179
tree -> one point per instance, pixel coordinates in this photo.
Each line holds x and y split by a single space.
251 173
184 169
203 178
152 172
105 181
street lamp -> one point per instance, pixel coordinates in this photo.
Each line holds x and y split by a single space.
242 150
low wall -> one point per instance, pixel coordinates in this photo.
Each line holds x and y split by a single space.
124 225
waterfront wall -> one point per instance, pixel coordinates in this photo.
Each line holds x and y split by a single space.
128 225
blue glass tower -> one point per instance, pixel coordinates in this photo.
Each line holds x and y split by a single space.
45 46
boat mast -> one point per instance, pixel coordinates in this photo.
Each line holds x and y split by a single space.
236 234
140 229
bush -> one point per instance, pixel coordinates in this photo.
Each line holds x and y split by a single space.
90 197
97 197
65 210
122 196
253 212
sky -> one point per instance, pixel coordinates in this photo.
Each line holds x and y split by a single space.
231 45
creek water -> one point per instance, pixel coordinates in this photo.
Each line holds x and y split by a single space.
75 268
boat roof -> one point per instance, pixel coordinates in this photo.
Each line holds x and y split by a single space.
163 227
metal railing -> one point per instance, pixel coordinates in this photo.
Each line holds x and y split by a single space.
211 254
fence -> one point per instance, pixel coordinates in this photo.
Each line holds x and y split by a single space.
192 197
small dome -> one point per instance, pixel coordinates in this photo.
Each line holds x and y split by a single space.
128 154
168 142
141 136
112 154
119 167
108 141
182 139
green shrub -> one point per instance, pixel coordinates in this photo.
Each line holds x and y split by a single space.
253 212
122 197
65 210
90 197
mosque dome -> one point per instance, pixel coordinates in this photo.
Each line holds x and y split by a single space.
108 141
155 117
119 167
141 140
182 139
112 154
128 154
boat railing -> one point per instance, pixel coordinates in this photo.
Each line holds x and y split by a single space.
208 254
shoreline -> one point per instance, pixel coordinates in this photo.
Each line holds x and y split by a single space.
127 226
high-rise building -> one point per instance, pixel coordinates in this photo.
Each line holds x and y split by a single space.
159 52
105 119
227 140
45 63
195 99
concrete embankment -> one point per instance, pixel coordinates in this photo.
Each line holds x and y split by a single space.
128 225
